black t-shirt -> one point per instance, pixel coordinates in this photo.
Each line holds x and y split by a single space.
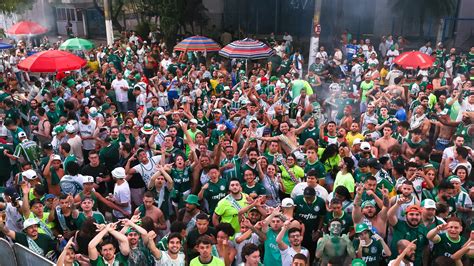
136 181
43 241
98 171
71 225
192 239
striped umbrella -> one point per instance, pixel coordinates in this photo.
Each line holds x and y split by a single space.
246 49
197 44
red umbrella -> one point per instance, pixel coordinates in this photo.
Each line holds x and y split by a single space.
197 43
26 28
414 60
51 61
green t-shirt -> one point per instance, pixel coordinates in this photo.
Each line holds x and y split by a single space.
309 134
110 155
345 180
372 254
181 178
215 192
97 216
215 261
53 117
45 242
310 213
228 211
68 159
258 189
119 258
402 230
318 166
346 221
365 87
29 150
272 255
233 172
446 246
288 183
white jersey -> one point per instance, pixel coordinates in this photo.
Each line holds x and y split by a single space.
87 131
288 254
122 195
166 260
147 170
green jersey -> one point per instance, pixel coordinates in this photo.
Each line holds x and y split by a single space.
272 254
447 246
30 151
310 214
118 260
215 192
318 166
345 218
308 133
68 159
402 230
371 254
258 189
182 178
270 157
233 172
53 117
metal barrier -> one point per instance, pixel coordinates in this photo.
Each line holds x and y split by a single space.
7 254
26 257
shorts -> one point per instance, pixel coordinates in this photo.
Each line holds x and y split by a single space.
442 144
122 107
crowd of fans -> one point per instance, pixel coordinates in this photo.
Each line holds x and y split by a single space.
150 157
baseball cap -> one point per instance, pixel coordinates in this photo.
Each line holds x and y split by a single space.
363 162
309 191
193 121
361 228
59 129
119 173
454 179
356 141
287 203
49 196
29 174
428 204
22 135
413 208
29 222
358 262
87 179
217 111
262 79
162 117
365 146
56 158
47 146
93 112
70 129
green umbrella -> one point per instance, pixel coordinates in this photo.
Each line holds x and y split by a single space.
74 44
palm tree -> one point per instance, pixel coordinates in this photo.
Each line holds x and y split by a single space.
421 9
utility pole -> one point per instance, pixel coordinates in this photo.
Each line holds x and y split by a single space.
108 23
315 33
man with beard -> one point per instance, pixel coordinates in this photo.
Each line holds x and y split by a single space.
172 256
39 243
407 194
189 213
272 226
229 209
97 169
445 195
289 251
334 249
108 255
428 215
411 229
137 255
407 251
365 212
251 164
448 243
450 153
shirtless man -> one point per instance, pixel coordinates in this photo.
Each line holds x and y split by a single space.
386 141
150 210
334 249
288 138
396 91
410 146
365 212
446 129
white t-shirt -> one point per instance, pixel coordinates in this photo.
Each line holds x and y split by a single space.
147 170
166 260
401 263
299 189
122 195
76 148
252 239
465 107
14 220
120 95
288 254
87 131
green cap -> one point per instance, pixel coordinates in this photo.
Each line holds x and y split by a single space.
59 129
358 262
70 83
361 228
105 107
273 78
367 203
192 199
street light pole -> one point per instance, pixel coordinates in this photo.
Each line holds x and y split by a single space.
315 33
108 23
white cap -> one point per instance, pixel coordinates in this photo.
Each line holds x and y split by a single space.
29 222
3 131
287 203
119 172
22 135
93 111
217 111
86 84
56 157
160 110
357 141
87 179
70 128
29 174
194 121
365 146
454 180
428 204
253 118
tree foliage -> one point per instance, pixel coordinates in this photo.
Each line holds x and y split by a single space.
12 6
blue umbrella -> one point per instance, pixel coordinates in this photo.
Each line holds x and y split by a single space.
4 46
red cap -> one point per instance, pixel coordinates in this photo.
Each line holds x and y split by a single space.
413 208
262 79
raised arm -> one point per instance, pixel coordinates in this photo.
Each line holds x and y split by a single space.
92 247
121 238
392 212
279 239
357 211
